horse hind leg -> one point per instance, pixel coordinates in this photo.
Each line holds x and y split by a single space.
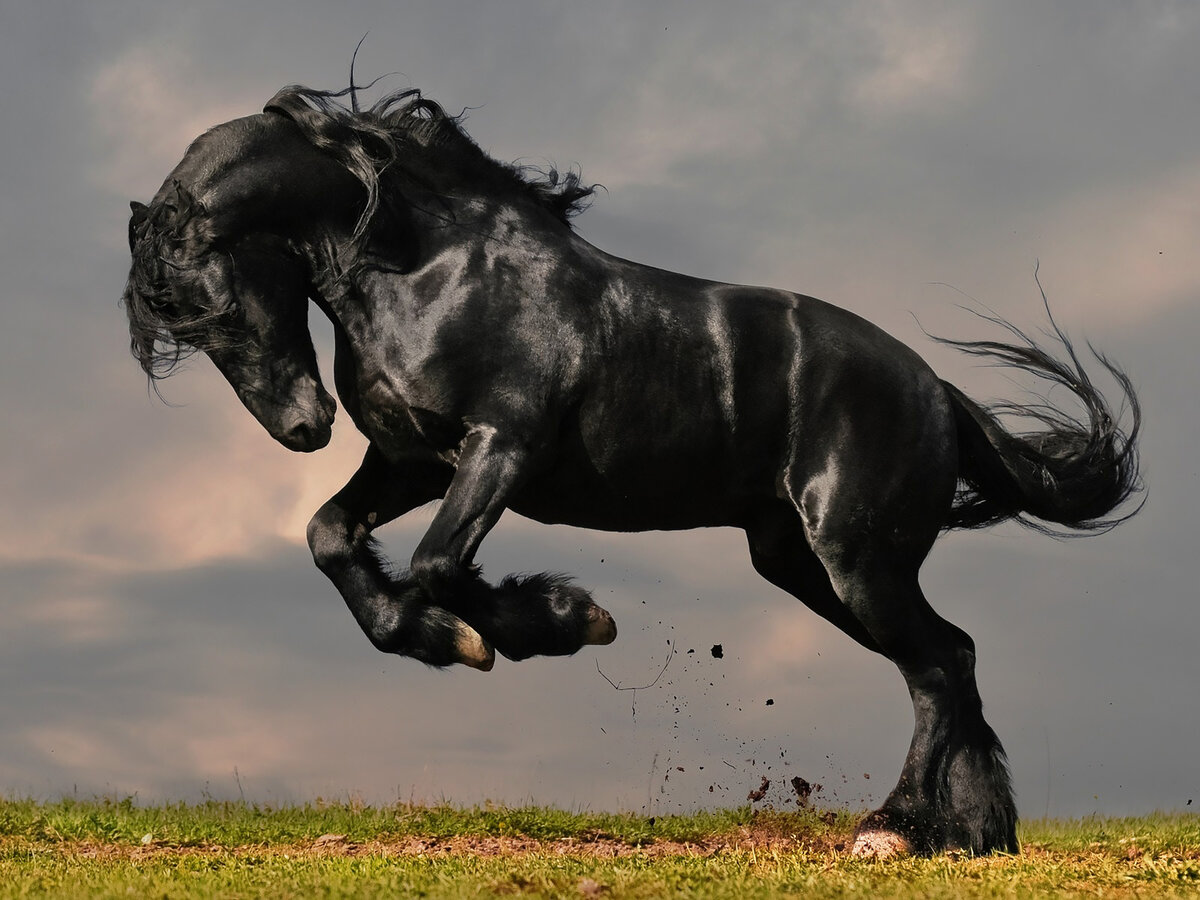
870 523
780 554
954 790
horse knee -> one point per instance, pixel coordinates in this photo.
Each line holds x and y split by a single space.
328 540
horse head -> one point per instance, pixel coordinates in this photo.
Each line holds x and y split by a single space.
220 265
268 211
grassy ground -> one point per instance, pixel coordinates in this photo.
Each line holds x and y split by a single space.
120 849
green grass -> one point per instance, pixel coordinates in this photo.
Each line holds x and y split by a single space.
110 848
233 824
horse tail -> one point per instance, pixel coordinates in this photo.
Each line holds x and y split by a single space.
1073 472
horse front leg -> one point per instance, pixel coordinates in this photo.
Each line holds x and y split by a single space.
390 608
522 616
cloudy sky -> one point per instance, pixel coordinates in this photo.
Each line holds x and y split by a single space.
164 631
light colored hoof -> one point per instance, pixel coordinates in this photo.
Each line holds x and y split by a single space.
473 650
880 845
601 627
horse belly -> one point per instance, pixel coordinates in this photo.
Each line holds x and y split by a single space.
561 497
641 473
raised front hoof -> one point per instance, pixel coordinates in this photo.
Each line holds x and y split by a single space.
542 615
473 650
438 638
875 843
601 629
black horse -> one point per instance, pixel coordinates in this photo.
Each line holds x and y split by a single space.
496 360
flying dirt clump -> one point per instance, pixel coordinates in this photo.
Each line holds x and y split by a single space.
761 791
804 790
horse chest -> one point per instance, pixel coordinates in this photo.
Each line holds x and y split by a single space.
398 424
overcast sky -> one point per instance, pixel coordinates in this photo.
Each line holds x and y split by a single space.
164 631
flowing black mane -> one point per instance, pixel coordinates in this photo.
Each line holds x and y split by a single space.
412 139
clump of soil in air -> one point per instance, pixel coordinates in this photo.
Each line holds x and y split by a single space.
804 790
718 651
760 792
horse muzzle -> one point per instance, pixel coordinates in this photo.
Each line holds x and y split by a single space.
301 419
309 427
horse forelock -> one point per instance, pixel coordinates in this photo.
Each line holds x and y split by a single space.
166 240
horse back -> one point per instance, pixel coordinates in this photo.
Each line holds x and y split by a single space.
697 402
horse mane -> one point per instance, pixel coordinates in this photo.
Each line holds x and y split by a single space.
408 138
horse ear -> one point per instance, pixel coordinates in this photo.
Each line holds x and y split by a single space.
141 212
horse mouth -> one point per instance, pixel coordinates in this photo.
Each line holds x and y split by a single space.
305 437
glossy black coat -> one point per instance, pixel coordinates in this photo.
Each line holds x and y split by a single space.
496 360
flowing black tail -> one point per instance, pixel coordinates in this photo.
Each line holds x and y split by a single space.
1073 472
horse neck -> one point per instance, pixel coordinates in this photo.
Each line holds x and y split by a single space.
451 221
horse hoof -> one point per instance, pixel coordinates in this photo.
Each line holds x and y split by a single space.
473 650
880 845
601 629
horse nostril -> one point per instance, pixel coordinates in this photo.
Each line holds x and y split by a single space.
306 437
299 437
328 406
